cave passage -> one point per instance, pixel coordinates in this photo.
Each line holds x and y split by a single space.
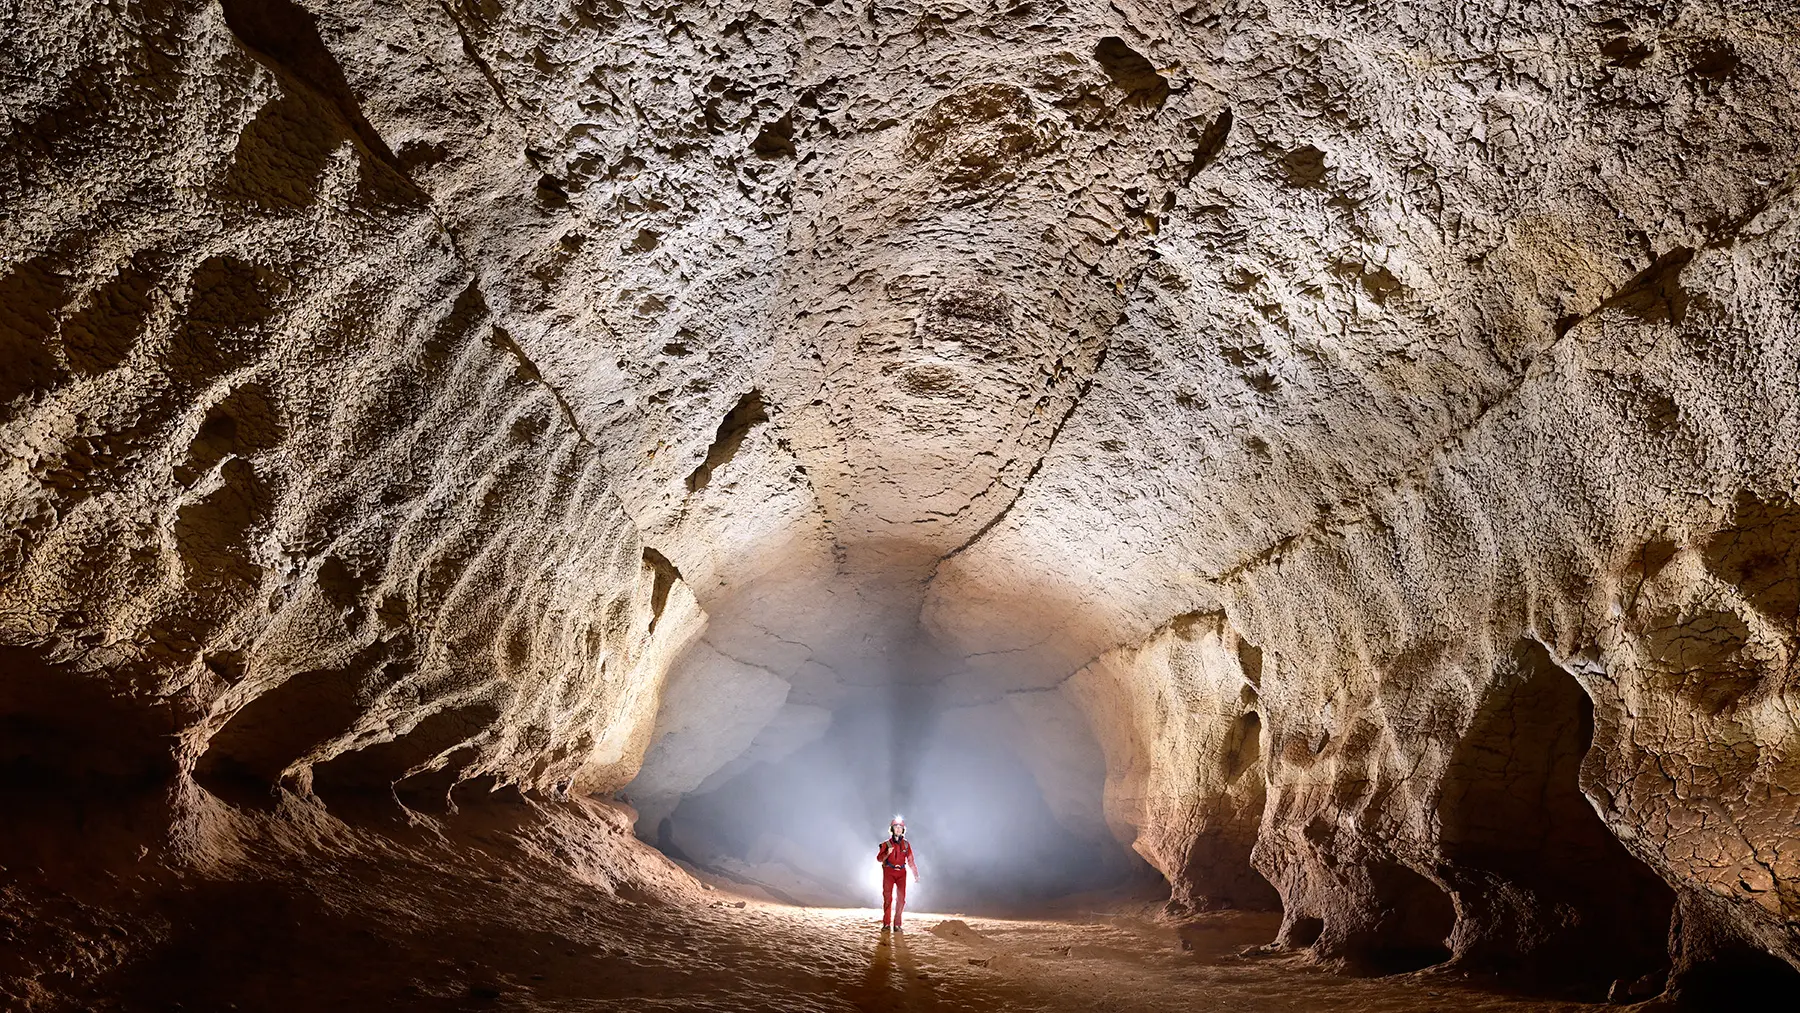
1296 503
805 827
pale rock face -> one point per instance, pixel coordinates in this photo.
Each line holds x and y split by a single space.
712 712
793 727
1055 741
1305 431
1180 717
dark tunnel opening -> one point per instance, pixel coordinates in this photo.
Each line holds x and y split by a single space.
1548 894
1414 921
1739 977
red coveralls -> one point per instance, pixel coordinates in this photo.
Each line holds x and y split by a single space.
894 856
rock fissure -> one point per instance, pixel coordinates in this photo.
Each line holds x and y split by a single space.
474 56
1024 482
1654 290
530 369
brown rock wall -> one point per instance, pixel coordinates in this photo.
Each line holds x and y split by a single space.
1179 719
283 481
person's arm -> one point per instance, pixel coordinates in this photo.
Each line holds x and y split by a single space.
881 852
913 861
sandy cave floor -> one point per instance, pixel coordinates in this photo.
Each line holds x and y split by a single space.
555 908
1097 961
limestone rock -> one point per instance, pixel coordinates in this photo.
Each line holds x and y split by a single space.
1346 450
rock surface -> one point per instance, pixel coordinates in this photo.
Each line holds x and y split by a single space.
1348 451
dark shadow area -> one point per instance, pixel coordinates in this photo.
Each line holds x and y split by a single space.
97 911
61 727
1550 898
1299 933
247 756
285 37
875 984
1717 969
1217 875
1413 925
1739 978
380 766
893 981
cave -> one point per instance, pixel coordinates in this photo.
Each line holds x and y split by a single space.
507 506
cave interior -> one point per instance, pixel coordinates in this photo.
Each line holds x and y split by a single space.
1298 504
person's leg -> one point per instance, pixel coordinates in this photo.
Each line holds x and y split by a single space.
887 897
900 897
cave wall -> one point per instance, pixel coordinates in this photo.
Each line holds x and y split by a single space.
1523 337
1179 716
1622 554
1622 520
283 490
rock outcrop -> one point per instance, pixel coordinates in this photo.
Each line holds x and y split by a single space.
1348 452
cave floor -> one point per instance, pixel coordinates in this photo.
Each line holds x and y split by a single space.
833 959
556 908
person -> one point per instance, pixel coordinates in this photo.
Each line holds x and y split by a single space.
895 854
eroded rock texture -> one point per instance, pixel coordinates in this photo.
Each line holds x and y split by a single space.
281 485
1361 438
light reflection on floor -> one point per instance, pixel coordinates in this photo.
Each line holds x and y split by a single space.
1125 958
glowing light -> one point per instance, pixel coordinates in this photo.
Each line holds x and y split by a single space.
873 884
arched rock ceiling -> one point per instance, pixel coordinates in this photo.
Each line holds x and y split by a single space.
1064 319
